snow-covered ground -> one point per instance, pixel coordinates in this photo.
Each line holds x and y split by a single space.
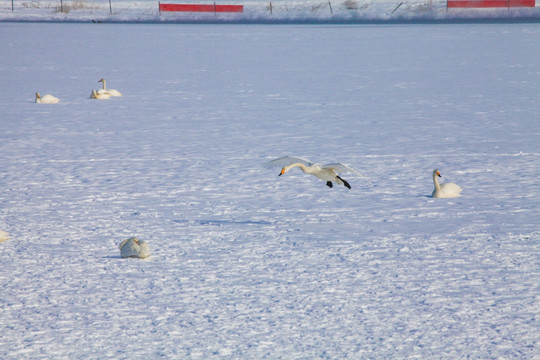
245 264
258 11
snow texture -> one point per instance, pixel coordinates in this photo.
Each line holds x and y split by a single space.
246 264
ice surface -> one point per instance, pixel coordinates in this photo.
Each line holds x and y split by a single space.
246 264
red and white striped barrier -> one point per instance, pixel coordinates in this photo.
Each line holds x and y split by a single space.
202 8
490 3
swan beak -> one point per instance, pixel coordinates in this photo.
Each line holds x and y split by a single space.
282 172
439 174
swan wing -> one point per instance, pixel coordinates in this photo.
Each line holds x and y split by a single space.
49 99
451 188
342 168
287 160
113 92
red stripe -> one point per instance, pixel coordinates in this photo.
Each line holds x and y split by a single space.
201 8
490 3
522 3
230 8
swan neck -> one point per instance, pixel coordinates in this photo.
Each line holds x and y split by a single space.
436 182
300 165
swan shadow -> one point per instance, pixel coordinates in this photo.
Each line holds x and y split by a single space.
222 222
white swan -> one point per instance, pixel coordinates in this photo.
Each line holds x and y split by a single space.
3 236
328 172
134 247
110 92
46 99
99 96
446 190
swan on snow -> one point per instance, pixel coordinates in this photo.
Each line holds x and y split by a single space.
134 247
46 99
99 96
110 92
327 172
446 190
3 236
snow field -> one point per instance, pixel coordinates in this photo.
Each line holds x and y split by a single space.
246 264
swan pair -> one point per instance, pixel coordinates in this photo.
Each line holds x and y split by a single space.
329 173
104 93
100 94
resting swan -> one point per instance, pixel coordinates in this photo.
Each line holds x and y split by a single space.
3 236
110 92
446 190
46 99
134 247
99 96
328 172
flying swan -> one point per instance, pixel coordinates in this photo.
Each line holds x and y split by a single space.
446 190
110 92
328 172
46 99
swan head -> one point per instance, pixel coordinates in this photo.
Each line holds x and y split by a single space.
101 80
436 173
283 171
38 96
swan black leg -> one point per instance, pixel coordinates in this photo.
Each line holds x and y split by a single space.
345 183
329 184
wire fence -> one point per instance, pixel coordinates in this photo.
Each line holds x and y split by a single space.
270 6
150 9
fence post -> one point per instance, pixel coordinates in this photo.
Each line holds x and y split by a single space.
397 7
270 7
110 8
331 11
12 5
61 6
